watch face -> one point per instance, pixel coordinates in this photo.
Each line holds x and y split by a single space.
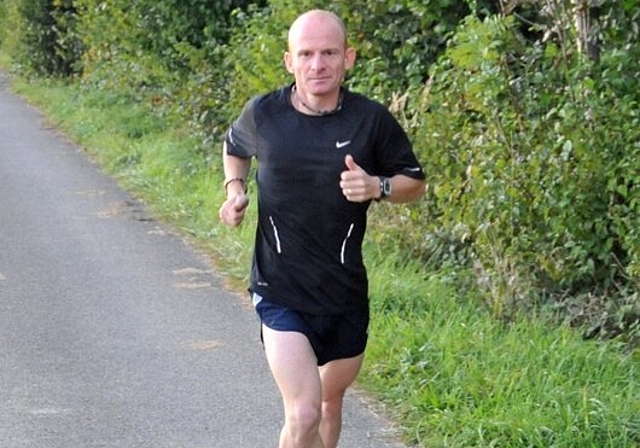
385 186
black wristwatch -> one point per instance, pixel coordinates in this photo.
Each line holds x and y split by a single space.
385 187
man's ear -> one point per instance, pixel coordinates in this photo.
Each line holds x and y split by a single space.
350 58
288 62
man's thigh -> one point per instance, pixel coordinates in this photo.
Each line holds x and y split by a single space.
336 376
293 364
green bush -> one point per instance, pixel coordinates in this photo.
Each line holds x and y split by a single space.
3 19
44 41
167 54
533 178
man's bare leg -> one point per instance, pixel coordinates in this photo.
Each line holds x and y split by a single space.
336 377
295 369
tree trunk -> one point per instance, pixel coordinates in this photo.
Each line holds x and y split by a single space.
586 41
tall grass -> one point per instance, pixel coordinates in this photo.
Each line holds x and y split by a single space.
450 374
458 378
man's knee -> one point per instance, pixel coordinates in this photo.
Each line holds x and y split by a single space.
332 407
303 419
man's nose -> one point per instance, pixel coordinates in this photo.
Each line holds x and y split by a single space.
318 62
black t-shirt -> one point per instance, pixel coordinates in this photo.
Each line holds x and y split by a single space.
308 248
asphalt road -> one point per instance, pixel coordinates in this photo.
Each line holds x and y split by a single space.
114 332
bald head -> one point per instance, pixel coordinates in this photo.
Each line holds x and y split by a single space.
314 21
318 58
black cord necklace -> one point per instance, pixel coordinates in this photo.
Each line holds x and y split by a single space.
316 111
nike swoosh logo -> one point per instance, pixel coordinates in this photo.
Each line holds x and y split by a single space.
340 144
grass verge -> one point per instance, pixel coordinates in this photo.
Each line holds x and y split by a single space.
451 375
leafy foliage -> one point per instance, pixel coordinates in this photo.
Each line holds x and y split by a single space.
531 170
46 43
3 19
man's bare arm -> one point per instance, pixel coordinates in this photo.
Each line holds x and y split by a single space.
236 170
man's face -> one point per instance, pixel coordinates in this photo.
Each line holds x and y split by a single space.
318 56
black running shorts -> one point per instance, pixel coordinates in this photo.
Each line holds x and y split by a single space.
332 337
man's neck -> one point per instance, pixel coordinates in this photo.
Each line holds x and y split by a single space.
312 107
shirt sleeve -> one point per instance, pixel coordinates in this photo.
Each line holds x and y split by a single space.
241 137
395 153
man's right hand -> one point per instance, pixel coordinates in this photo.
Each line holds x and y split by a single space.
232 210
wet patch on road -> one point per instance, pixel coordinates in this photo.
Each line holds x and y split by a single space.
204 345
48 411
129 209
194 278
91 193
